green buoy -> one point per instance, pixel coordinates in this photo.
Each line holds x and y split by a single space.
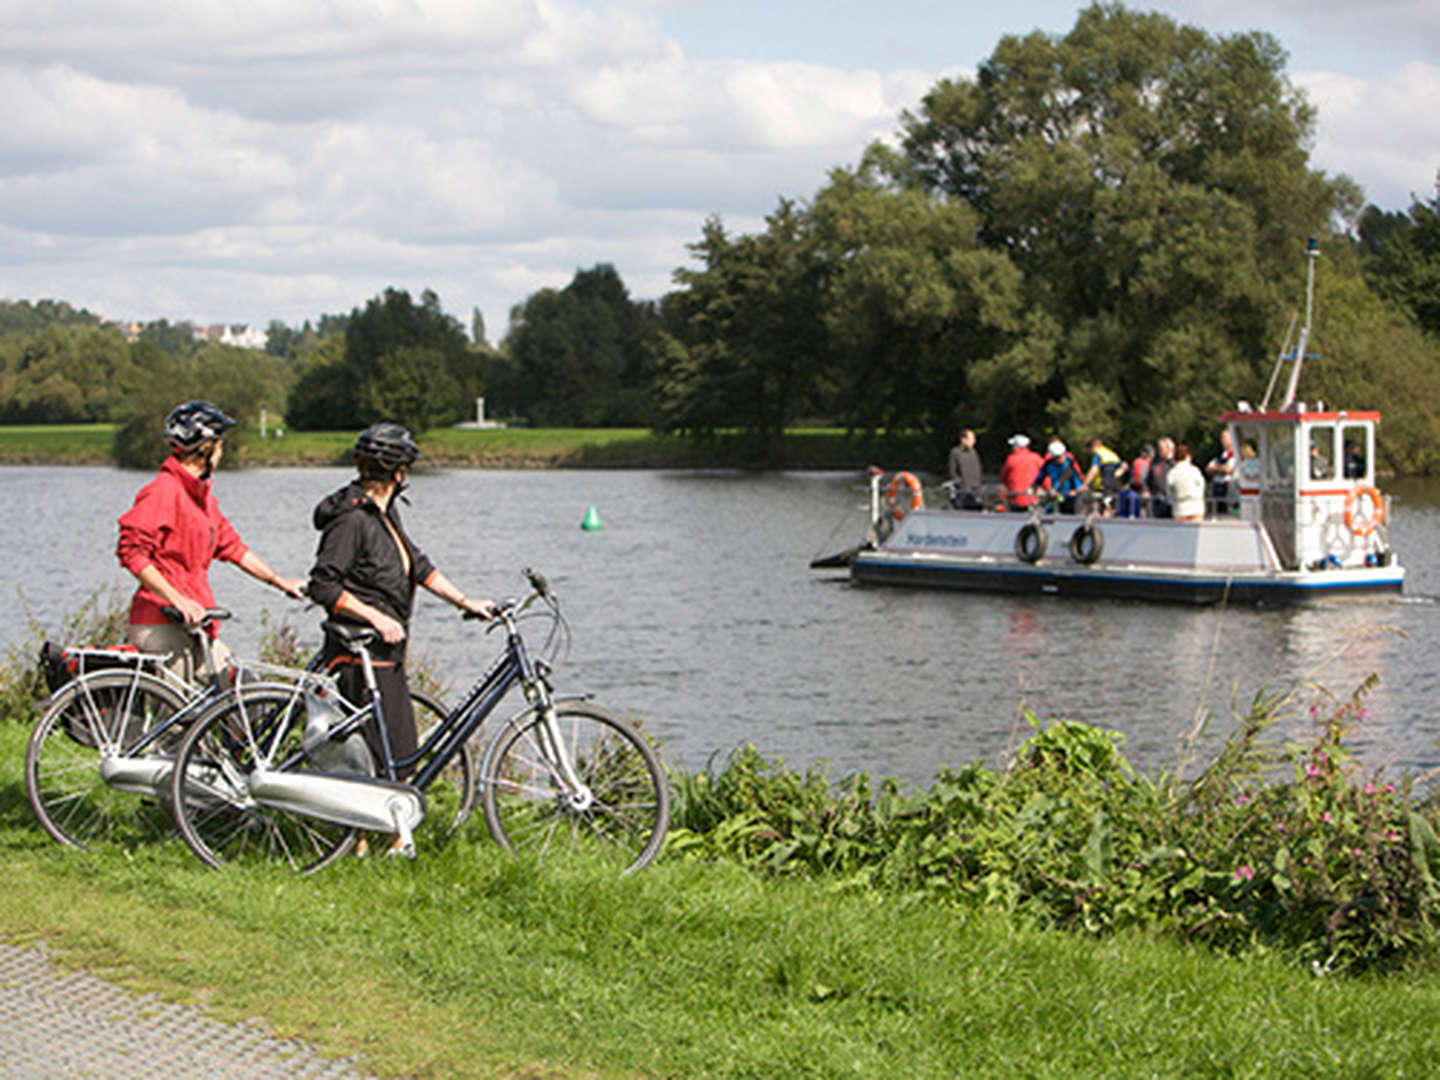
592 522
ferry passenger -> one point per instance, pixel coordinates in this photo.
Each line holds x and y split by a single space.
1106 473
1061 475
1155 480
1019 473
965 473
1186 487
1132 500
173 532
1221 471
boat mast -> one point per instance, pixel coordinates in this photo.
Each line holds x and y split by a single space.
1312 252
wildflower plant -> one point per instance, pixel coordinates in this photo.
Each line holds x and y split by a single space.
1290 847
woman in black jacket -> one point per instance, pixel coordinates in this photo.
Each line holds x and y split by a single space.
366 571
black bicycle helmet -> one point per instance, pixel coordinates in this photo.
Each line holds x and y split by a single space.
195 422
389 446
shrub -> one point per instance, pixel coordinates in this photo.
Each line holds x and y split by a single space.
1336 867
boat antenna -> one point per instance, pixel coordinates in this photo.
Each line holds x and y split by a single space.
1279 360
1312 252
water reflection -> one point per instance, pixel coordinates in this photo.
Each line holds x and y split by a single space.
694 606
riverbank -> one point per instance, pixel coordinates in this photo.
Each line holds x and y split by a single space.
494 448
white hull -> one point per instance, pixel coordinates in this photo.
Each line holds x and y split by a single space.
1221 560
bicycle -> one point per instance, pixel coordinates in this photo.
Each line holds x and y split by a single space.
98 763
560 775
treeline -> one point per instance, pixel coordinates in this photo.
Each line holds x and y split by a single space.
1098 234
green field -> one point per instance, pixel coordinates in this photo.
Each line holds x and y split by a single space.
467 963
508 448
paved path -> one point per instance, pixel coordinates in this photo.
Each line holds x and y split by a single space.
57 1024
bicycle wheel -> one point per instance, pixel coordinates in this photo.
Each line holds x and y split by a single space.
455 786
620 817
260 726
90 721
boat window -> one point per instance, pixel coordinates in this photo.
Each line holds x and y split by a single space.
1322 453
1357 456
1248 440
1280 465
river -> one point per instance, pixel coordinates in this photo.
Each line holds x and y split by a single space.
694 607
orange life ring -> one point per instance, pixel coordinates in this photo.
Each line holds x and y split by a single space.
893 499
1364 526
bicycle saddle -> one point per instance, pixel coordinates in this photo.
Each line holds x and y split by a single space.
351 635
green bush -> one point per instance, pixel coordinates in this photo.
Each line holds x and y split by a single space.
1292 849
100 620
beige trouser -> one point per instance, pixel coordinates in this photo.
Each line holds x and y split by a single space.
187 655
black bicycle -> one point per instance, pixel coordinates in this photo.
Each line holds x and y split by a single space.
272 774
98 765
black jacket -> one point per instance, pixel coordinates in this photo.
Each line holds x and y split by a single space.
357 554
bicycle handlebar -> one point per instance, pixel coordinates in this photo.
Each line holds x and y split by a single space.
221 614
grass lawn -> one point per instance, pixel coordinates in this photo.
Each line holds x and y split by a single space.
809 448
467 963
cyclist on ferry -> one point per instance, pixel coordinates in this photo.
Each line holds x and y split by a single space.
1060 475
366 571
1107 471
172 533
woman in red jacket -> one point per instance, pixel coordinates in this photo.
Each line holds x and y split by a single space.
174 531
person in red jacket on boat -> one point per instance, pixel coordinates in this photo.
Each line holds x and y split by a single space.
171 535
1019 472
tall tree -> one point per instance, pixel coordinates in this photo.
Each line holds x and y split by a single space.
1151 181
576 356
745 343
400 359
916 310
1404 257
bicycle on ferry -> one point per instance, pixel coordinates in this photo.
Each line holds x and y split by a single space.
98 764
270 774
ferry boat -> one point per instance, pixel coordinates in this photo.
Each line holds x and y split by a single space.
1310 523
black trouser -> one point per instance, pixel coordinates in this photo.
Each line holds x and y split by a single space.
394 699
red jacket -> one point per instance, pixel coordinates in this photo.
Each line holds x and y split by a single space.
1018 475
176 526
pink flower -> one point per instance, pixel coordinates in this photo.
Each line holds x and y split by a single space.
1325 817
1241 799
1392 835
1279 826
1370 787
1244 873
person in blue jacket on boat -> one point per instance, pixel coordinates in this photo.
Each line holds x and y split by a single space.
1060 476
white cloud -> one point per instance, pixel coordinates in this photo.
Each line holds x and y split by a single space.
194 159
1383 132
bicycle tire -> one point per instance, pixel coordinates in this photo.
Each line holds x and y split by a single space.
460 774
86 720
261 725
525 806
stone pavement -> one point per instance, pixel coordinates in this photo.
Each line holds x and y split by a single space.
58 1024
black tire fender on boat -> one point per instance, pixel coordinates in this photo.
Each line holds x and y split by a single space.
1087 543
1031 542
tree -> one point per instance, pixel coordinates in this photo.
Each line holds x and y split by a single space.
240 381
745 344
917 312
1151 183
391 340
1403 261
576 356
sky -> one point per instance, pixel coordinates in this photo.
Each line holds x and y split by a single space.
217 162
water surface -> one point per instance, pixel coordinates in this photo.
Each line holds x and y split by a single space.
694 606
